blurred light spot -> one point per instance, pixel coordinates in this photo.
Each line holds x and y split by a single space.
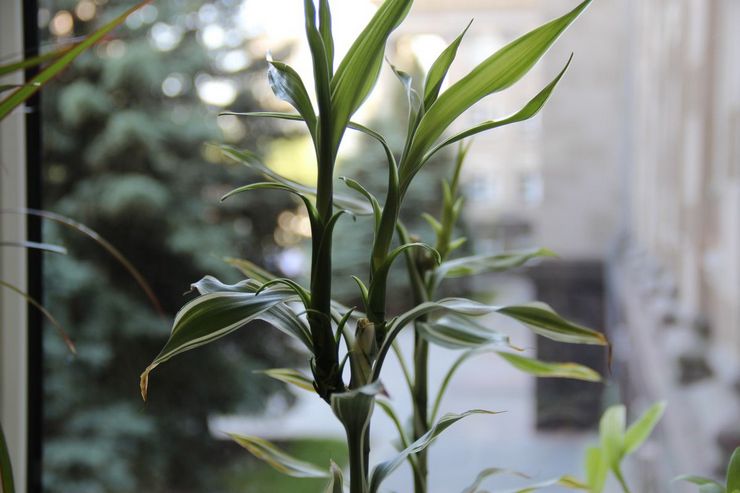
148 13
85 10
233 61
213 36
234 38
180 115
165 37
134 21
426 49
173 85
208 14
44 16
292 262
62 23
115 49
218 92
232 128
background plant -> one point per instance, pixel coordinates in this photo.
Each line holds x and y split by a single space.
310 314
708 485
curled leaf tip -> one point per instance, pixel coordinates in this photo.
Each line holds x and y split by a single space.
144 382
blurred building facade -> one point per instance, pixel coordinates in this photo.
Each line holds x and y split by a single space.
676 272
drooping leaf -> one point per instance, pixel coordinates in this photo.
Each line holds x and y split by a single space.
498 72
384 469
452 305
701 481
36 304
357 73
105 244
543 369
22 94
278 459
251 160
34 245
336 480
457 332
733 472
386 406
7 485
486 473
288 86
531 109
481 264
564 481
611 433
356 186
290 376
250 269
640 430
543 320
210 317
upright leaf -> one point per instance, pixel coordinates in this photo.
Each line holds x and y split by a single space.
6 470
641 429
499 71
288 86
359 70
278 459
336 480
611 432
440 67
733 472
597 469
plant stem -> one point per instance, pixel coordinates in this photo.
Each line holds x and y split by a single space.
357 462
421 397
622 482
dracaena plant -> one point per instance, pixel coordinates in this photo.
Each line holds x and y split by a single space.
708 485
348 347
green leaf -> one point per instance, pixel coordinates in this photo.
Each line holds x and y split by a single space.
310 208
531 109
356 186
498 72
611 433
36 304
456 332
9 68
543 320
733 472
250 269
105 244
485 473
336 480
290 376
551 370
359 70
439 69
564 481
210 317
280 316
251 160
480 264
278 459
6 470
596 469
701 481
382 470
326 34
34 245
288 86
641 429
22 94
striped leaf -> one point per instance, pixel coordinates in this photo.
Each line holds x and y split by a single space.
498 72
209 318
482 264
457 332
357 74
278 459
290 376
543 369
384 469
336 480
544 321
287 85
